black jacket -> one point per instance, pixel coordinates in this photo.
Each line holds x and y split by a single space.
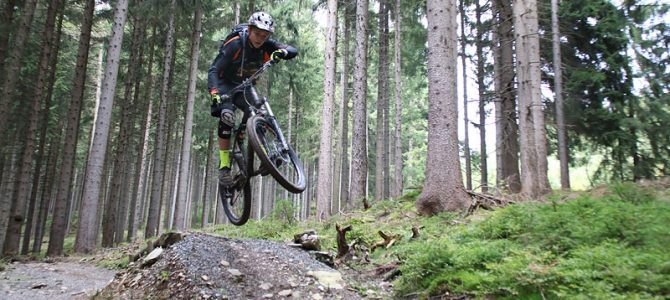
229 68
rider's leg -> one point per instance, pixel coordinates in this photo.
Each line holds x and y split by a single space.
224 153
226 123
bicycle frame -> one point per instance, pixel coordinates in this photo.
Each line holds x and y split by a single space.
260 106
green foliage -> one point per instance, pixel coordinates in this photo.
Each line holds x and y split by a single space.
614 246
284 212
118 261
612 108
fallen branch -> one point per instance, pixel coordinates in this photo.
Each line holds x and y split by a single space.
388 241
484 201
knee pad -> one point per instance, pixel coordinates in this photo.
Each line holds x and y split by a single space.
226 123
228 117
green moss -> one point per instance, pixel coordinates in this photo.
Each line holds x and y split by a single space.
614 246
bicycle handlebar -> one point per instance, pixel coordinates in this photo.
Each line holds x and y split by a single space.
249 81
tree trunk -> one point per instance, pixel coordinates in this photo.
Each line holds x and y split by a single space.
129 208
53 64
57 233
171 174
46 197
443 189
6 20
324 195
159 159
466 122
188 123
344 109
398 106
7 92
86 236
483 166
359 159
507 140
558 95
143 159
206 178
382 104
112 232
534 181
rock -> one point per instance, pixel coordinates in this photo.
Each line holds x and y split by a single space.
204 277
324 257
136 279
235 272
267 296
317 297
265 286
39 286
169 239
152 257
331 280
309 240
225 263
285 293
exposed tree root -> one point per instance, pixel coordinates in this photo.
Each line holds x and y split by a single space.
484 201
342 247
415 232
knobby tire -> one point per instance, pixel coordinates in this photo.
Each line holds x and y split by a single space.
266 144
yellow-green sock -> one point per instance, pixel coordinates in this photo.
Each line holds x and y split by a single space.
224 159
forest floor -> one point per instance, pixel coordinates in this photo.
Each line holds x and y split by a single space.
66 278
200 266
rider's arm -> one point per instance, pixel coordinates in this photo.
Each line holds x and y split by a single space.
274 45
221 62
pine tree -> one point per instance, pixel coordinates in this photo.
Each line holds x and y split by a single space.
161 134
359 160
324 194
534 181
57 233
86 233
188 123
443 189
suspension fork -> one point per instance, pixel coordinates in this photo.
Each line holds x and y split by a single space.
261 104
273 121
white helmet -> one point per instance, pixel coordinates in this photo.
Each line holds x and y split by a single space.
262 21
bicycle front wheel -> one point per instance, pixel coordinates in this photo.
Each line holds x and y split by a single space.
282 163
237 198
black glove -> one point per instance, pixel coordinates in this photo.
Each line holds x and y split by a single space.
278 54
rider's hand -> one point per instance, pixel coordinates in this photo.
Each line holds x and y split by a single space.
278 54
214 93
216 99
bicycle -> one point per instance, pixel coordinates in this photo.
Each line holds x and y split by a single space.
267 142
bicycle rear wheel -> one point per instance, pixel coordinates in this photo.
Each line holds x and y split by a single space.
237 198
283 164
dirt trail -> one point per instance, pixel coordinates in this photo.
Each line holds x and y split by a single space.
199 266
59 280
211 267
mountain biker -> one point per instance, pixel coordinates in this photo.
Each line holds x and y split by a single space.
239 58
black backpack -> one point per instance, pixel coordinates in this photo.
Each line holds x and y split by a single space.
241 30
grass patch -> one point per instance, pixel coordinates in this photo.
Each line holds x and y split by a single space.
612 247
